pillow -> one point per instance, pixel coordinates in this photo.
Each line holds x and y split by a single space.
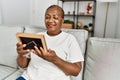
8 42
33 29
81 36
102 59
5 71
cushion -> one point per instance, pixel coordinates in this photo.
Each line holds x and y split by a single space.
6 71
15 75
102 59
81 36
8 42
34 29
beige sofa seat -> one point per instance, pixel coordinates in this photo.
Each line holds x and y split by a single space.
6 71
8 52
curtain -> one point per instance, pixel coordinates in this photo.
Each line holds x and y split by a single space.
118 21
0 12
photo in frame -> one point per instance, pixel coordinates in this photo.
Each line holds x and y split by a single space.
32 40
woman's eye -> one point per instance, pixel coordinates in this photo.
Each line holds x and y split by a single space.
47 17
55 17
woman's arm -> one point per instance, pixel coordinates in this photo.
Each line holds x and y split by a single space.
22 61
67 67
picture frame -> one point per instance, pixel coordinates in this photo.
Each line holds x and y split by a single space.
32 40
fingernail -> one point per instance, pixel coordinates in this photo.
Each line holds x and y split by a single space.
35 47
28 50
24 45
19 43
41 48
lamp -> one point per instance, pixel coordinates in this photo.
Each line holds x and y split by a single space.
108 2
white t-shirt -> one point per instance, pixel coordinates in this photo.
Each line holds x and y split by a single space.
66 47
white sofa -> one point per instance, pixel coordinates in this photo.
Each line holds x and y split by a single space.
101 55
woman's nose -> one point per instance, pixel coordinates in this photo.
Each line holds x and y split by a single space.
51 20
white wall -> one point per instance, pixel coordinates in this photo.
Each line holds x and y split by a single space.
15 12
38 11
0 12
32 12
112 20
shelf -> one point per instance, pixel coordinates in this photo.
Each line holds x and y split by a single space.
79 15
77 0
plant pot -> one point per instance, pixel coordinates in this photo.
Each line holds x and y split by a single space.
67 25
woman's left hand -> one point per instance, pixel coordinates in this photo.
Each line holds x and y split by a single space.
50 55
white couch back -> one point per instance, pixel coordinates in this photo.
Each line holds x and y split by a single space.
8 42
81 36
102 59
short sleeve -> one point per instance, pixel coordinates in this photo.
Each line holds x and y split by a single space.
75 53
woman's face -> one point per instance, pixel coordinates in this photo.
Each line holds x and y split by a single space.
53 21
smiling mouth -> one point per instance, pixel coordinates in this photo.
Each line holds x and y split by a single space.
50 25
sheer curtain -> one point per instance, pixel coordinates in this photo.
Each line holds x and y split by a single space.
0 12
118 21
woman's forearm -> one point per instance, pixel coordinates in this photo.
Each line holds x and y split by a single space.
22 61
67 67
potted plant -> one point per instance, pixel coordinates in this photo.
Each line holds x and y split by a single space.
90 26
85 27
68 24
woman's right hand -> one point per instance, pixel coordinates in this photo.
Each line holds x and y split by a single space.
20 49
21 59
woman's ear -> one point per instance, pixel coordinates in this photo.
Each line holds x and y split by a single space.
62 21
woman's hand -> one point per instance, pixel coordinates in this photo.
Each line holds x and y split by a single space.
50 55
21 59
20 49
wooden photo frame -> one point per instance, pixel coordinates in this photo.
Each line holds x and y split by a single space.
32 40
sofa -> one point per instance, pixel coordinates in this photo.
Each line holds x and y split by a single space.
101 55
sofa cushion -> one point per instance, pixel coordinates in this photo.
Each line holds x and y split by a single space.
33 29
102 59
6 71
15 75
81 36
8 42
